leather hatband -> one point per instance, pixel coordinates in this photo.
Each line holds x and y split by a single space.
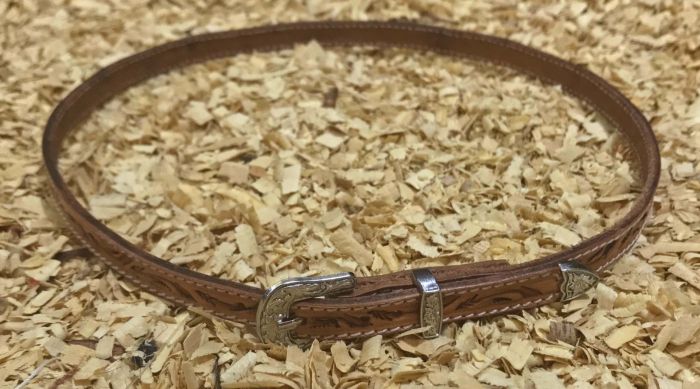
382 304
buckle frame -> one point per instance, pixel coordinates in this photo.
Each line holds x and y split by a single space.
273 321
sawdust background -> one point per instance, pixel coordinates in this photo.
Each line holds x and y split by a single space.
72 322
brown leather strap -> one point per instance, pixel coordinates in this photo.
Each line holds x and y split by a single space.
379 304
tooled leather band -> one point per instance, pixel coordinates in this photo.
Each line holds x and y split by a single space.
381 304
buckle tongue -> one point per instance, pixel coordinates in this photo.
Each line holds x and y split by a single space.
274 323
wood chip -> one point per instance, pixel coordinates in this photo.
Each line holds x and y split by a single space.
330 140
198 113
104 347
685 273
55 346
422 247
666 364
235 172
239 368
333 218
291 177
346 244
622 335
420 179
518 352
43 273
285 225
90 369
370 349
245 239
560 234
546 380
341 357
564 331
389 257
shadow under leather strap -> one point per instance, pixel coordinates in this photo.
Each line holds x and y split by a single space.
378 304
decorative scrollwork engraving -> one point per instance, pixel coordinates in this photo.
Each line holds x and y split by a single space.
431 302
274 322
577 279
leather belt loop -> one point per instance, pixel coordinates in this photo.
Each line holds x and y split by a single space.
430 302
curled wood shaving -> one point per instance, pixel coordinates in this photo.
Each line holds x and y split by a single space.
346 244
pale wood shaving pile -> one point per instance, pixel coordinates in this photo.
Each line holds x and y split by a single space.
318 160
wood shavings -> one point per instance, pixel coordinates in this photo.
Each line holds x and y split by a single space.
546 380
29 203
75 355
622 335
469 230
168 338
341 357
240 368
558 351
242 270
560 234
606 296
236 121
461 377
198 113
55 346
564 331
290 179
48 269
89 369
370 349
38 301
362 176
346 244
129 331
333 218
413 214
670 247
407 369
666 364
236 173
685 273
495 377
189 374
422 247
389 257
469 161
319 363
246 241
596 130
285 225
518 353
420 179
104 347
330 140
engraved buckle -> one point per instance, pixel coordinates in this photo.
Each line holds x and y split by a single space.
274 323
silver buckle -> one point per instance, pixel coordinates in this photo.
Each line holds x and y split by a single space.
274 324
